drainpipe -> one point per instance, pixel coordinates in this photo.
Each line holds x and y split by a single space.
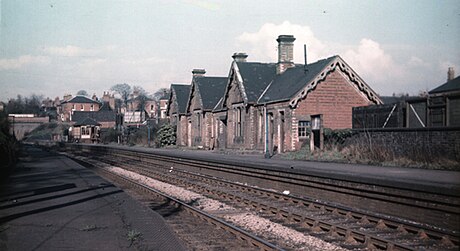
267 152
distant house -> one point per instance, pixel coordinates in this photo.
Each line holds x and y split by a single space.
106 117
177 110
148 109
205 93
85 130
77 103
163 107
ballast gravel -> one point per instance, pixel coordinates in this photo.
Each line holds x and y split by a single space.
247 220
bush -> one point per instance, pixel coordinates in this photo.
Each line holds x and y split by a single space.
166 136
137 136
110 135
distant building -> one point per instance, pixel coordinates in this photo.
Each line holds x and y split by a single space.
163 103
86 130
105 116
439 108
78 103
444 102
141 105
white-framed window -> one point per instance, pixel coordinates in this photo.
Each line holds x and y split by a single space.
91 108
82 107
304 128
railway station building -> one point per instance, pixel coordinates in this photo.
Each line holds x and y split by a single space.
273 106
205 94
177 111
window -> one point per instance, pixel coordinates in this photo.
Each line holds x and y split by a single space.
82 108
261 125
198 124
239 122
92 107
304 128
74 107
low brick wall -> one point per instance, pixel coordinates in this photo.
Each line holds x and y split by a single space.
442 141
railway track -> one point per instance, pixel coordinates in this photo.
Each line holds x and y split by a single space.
196 228
350 228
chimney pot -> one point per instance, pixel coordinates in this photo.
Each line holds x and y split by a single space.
198 72
239 56
450 73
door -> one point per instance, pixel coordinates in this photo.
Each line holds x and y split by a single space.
222 132
281 133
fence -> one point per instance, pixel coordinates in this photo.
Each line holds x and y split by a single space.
408 114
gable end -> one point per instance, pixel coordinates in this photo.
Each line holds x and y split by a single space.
353 77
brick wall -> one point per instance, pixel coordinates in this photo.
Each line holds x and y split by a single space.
67 108
439 141
334 98
181 132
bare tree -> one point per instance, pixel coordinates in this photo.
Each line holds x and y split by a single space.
124 90
142 100
138 90
20 105
162 92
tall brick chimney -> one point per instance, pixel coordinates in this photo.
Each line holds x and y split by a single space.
198 72
239 56
285 53
450 73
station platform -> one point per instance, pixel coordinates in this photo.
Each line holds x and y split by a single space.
51 202
437 181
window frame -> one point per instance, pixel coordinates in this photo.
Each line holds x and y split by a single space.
303 128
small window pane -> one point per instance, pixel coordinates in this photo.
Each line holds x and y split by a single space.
304 128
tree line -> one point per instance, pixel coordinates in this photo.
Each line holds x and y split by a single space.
33 103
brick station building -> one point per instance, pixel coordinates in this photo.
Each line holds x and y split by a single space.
177 111
271 105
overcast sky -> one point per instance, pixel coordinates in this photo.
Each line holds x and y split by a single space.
56 47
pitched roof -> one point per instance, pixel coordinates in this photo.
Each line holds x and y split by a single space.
181 91
211 90
87 121
99 116
452 85
105 107
80 99
256 77
284 86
